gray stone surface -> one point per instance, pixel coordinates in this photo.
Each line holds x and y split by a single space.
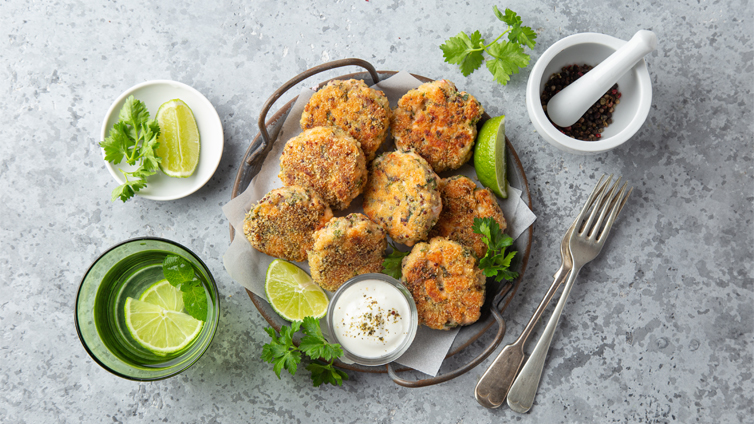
658 329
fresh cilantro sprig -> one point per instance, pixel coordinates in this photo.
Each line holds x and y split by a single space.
283 354
391 265
495 262
180 274
133 139
507 56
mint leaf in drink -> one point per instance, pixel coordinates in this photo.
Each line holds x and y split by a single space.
177 270
194 299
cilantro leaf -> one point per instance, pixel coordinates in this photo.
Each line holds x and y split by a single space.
507 59
283 353
326 374
495 262
510 17
133 138
507 56
523 35
391 265
117 144
464 51
133 113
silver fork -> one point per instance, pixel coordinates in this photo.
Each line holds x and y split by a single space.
584 245
492 388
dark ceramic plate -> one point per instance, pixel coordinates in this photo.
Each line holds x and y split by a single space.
499 294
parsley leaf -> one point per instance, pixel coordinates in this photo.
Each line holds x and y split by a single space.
133 139
464 51
391 265
507 56
495 262
326 374
283 353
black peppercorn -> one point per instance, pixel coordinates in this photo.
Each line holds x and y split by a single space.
599 115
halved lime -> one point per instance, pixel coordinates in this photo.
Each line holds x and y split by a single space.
179 139
160 330
164 295
489 156
292 293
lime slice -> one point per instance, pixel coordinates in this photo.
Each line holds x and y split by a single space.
159 330
489 156
164 295
292 293
179 139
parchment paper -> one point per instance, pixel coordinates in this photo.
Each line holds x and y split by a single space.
247 266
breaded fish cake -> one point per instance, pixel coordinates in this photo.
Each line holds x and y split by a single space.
282 223
462 201
355 108
402 196
446 283
344 248
438 123
327 160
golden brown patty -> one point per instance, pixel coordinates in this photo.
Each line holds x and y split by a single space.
352 106
438 123
344 248
327 160
282 223
446 283
402 196
462 201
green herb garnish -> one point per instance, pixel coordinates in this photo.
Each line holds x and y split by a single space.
283 354
391 265
495 262
133 138
180 274
507 55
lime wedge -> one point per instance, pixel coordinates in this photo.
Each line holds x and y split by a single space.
164 295
489 156
179 139
292 293
159 330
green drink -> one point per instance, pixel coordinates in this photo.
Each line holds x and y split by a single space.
121 287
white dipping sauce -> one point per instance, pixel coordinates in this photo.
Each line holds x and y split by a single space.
371 318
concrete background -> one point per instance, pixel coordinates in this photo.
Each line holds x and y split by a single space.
658 329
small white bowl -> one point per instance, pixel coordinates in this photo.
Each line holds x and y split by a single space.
590 48
154 94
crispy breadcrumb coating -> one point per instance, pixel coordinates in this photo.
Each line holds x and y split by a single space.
462 201
446 283
327 160
355 108
282 223
403 196
437 122
344 248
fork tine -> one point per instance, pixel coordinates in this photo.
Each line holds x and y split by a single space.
604 209
598 205
616 207
598 189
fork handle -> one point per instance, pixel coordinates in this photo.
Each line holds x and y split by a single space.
524 389
492 388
